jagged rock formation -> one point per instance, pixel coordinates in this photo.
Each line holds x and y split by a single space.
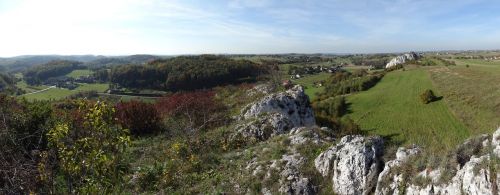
402 59
391 174
277 114
289 168
354 163
478 175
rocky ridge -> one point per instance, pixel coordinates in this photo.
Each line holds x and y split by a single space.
353 164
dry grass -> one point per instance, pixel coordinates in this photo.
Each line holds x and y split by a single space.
472 94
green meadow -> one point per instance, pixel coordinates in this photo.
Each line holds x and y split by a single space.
393 109
58 93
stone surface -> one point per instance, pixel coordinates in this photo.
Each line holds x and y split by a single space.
266 126
302 135
293 104
353 164
291 180
402 59
390 179
474 177
495 141
277 114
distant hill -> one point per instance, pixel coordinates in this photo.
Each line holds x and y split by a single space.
20 63
122 60
39 73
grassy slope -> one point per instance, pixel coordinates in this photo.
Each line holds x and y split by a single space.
57 93
393 108
475 100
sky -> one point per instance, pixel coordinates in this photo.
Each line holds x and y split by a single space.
170 27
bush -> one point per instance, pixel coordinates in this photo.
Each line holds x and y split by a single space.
428 96
192 111
345 83
23 126
140 117
90 149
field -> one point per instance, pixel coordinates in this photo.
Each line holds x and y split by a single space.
473 94
393 109
78 73
308 83
58 93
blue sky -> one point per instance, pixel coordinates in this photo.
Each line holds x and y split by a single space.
119 27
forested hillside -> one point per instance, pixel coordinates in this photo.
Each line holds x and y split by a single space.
185 73
37 74
6 81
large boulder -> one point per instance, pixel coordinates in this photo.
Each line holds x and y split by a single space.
293 103
354 164
402 59
277 114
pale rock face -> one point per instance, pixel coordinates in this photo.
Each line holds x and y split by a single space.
266 126
495 142
292 181
294 104
471 179
402 59
388 174
302 135
354 163
277 114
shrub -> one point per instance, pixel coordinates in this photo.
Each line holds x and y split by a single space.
23 126
140 117
427 96
192 111
90 149
345 83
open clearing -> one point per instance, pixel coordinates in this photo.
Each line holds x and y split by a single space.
393 108
78 73
58 93
308 82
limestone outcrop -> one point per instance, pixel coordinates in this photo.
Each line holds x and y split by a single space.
353 164
477 175
277 114
402 59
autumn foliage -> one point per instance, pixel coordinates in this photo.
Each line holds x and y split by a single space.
139 117
192 110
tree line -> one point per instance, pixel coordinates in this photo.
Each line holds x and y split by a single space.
185 73
38 74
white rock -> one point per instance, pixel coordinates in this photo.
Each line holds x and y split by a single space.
301 135
402 59
394 178
293 104
354 163
292 181
495 142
